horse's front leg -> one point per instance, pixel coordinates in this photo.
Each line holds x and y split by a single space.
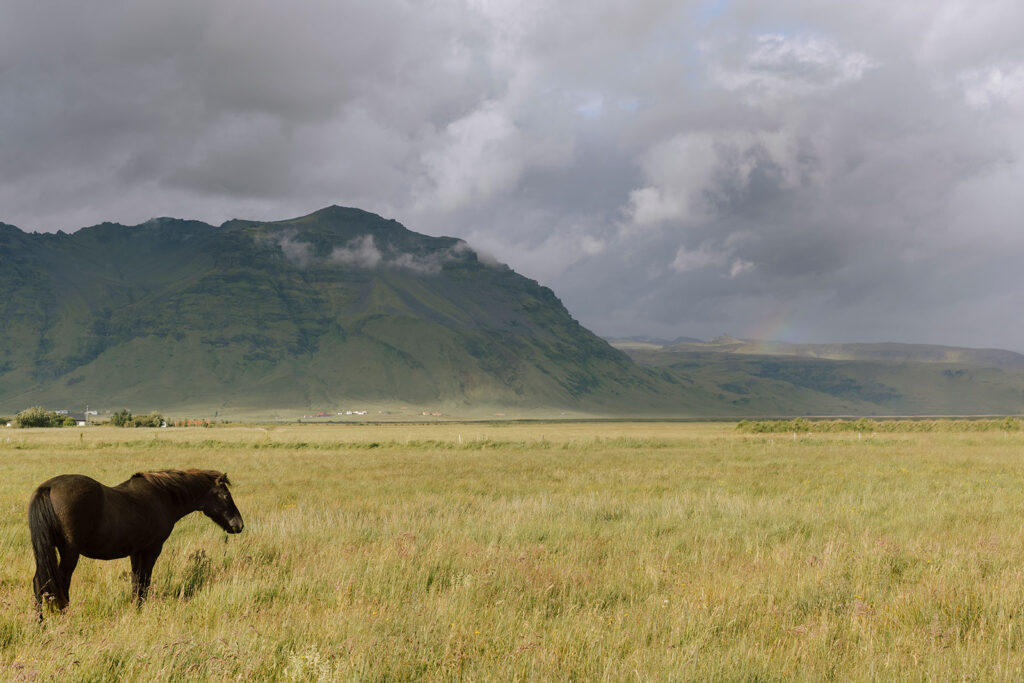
142 572
136 564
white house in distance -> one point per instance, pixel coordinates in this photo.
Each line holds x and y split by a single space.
81 419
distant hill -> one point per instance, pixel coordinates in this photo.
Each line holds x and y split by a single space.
336 307
772 378
648 342
888 352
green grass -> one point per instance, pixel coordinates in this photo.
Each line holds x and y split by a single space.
542 551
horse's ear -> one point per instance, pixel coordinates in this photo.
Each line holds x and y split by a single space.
222 479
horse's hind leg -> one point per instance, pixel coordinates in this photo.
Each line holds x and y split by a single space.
68 562
45 529
45 588
38 586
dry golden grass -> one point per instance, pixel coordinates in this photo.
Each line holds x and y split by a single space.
601 551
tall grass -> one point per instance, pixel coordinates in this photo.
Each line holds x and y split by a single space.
522 552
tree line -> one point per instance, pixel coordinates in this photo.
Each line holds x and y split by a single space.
37 416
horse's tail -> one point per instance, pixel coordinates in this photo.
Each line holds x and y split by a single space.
45 528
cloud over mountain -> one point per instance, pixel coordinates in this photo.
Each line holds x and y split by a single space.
669 168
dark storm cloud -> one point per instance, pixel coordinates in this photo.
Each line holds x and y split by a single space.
818 171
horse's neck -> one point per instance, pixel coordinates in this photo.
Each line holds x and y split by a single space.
185 505
176 506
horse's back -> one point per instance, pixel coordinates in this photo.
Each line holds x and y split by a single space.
77 501
73 489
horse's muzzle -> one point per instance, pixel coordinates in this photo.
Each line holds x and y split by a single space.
235 525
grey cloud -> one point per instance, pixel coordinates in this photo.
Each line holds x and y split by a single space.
668 168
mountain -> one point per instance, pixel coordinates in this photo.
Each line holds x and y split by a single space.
345 309
750 377
332 308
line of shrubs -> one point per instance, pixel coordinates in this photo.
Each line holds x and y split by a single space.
123 418
37 416
1006 424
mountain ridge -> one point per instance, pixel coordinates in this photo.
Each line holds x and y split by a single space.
338 305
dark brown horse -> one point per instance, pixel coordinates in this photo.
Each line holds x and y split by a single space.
75 515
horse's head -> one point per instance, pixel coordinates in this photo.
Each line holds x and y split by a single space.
220 507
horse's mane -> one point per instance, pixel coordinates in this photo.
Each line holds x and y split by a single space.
183 484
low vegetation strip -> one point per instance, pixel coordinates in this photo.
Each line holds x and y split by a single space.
1007 424
157 443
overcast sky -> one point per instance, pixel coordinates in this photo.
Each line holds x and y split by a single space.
798 170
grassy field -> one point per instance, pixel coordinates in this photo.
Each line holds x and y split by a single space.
613 551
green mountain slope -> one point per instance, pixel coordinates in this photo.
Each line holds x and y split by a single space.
341 305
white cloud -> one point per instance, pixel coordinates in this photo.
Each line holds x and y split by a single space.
708 255
484 155
739 266
361 252
476 157
781 66
695 259
679 170
649 205
957 33
691 172
994 85
547 257
298 252
429 264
